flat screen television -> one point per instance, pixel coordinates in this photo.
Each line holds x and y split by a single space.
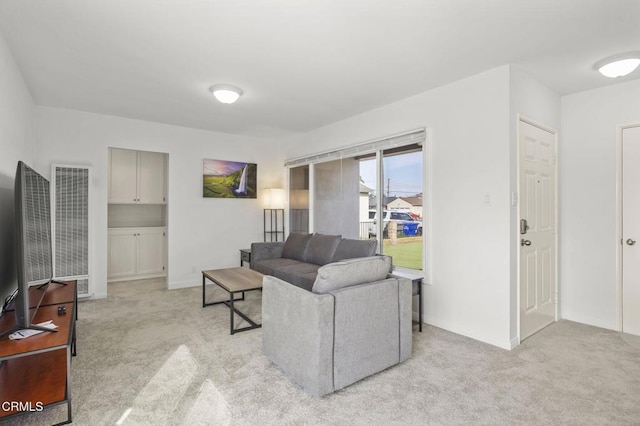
32 243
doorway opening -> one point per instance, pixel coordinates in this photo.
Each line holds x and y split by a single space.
628 251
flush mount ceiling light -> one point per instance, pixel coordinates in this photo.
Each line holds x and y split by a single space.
226 93
618 65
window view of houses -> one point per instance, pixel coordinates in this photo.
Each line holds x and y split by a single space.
327 202
402 206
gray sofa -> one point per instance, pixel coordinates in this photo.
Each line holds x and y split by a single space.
355 322
297 260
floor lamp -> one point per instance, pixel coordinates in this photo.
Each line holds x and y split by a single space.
274 215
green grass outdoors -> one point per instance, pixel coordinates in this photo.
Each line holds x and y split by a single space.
407 252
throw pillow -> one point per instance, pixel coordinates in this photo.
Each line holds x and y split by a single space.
296 246
321 248
350 249
347 273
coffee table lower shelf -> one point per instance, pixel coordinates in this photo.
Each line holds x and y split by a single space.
234 281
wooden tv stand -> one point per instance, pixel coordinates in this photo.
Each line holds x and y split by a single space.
36 372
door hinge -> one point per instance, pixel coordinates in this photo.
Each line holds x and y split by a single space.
555 159
164 235
163 268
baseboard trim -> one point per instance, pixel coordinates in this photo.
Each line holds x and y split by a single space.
175 285
592 321
454 328
135 277
515 342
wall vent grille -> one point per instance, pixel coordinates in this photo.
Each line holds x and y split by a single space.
72 224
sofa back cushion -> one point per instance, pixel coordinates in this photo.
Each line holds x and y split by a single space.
296 246
351 249
321 248
346 273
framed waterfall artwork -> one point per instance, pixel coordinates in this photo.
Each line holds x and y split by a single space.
229 179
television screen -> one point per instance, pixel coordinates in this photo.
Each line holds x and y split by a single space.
33 239
36 224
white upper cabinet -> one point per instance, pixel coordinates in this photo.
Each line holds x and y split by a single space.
123 176
136 177
151 177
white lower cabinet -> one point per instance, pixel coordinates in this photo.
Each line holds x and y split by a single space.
136 253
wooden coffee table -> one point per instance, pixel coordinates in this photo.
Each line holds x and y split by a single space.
233 281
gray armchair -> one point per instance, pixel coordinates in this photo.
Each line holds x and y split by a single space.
348 328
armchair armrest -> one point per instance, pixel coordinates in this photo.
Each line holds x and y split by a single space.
271 250
297 334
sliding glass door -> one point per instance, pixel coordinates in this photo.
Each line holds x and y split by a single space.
403 207
364 193
299 199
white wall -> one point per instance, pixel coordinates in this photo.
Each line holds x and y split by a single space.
470 289
202 233
534 101
16 143
587 164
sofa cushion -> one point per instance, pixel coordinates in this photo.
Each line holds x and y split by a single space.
301 275
296 246
346 273
321 248
351 249
269 266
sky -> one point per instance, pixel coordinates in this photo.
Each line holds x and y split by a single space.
221 167
402 174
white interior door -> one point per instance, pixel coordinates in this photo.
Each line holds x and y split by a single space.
631 230
537 177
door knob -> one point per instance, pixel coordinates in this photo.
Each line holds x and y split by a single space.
631 242
524 242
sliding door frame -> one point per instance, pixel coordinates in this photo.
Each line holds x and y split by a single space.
369 147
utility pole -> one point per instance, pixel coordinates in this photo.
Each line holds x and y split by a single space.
388 187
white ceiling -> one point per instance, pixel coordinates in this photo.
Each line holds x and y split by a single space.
302 64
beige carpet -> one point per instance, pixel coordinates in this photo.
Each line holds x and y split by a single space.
148 356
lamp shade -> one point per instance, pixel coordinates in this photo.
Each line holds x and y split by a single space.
299 199
274 198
